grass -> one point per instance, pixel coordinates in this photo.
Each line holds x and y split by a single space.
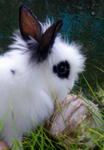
89 136
91 139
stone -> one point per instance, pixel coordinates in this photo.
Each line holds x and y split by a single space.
74 115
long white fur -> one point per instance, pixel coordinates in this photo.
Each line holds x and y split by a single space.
26 97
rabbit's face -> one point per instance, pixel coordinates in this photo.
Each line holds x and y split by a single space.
63 65
61 62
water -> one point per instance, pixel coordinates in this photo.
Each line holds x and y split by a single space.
83 23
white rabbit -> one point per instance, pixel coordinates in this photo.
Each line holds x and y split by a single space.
39 66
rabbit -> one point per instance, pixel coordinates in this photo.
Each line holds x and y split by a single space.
39 66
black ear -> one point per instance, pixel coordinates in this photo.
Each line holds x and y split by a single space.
47 40
29 25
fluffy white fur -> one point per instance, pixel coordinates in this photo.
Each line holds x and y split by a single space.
27 97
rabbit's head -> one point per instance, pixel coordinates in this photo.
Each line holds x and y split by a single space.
60 62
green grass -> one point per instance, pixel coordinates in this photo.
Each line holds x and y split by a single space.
91 139
88 137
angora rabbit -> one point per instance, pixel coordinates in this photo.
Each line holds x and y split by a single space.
39 66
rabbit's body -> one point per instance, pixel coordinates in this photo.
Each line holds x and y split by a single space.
28 85
25 101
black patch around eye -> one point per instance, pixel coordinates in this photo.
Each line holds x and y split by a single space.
62 69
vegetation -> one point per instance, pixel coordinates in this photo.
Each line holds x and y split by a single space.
84 23
92 137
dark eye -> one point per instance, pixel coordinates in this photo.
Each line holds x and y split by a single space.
62 69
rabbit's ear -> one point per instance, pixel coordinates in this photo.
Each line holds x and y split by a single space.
29 25
48 40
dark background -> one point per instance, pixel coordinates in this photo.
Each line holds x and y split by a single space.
83 23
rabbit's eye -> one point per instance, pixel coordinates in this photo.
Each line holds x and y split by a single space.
62 69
